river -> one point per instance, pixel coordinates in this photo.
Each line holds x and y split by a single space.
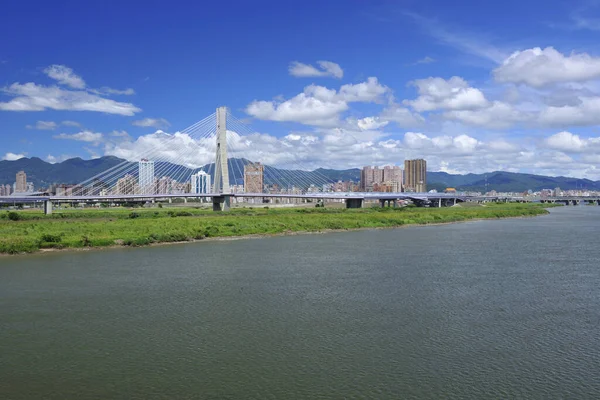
483 309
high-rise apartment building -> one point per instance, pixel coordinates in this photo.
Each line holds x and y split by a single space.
369 176
164 185
415 175
254 178
126 185
146 176
21 182
5 190
372 178
200 182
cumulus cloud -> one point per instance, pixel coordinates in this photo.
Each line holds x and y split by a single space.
370 123
461 144
402 116
43 125
497 115
585 112
83 136
539 67
317 105
65 76
452 94
33 97
347 148
179 148
369 91
12 157
152 122
572 143
327 68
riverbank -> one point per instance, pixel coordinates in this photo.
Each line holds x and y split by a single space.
31 231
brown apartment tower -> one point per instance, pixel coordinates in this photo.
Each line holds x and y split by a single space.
254 178
415 175
21 184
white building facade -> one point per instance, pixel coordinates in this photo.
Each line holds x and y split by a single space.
146 176
200 183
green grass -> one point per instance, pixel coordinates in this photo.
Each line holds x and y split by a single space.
32 230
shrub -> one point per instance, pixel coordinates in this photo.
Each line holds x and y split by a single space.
13 216
134 215
160 205
85 241
49 238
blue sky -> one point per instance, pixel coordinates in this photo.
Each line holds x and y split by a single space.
472 87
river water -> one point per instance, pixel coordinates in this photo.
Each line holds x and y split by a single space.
484 309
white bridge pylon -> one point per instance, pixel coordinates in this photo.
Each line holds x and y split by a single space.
221 169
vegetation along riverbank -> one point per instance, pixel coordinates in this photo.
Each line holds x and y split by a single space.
31 231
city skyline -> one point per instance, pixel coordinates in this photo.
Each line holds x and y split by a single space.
467 95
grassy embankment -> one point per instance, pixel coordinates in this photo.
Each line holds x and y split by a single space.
30 231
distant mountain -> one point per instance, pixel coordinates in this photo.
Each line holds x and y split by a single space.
43 174
76 170
507 182
340 175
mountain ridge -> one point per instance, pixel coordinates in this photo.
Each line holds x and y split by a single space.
77 170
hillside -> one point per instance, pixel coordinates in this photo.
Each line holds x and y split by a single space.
77 170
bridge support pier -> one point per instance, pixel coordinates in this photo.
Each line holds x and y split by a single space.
439 203
354 203
382 203
221 203
47 207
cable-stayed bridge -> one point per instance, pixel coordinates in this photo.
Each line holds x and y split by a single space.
211 160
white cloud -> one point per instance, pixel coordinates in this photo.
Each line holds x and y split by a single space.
345 148
572 143
370 123
497 115
461 144
587 112
540 67
65 76
12 157
317 105
57 159
43 125
302 108
369 91
83 136
108 91
452 94
177 148
402 116
71 123
327 68
425 60
152 122
119 134
33 97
